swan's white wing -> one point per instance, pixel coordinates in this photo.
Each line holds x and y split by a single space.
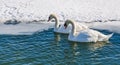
87 36
99 36
80 26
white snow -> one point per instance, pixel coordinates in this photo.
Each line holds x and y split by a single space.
83 10
80 10
31 28
110 26
24 29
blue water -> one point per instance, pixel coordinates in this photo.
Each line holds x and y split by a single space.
48 48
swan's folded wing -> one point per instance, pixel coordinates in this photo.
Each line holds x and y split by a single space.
80 27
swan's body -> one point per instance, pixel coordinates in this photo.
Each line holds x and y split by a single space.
59 28
87 35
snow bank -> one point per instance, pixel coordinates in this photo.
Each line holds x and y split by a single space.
83 10
110 26
31 28
24 29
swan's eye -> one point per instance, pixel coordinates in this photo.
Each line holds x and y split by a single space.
65 25
49 18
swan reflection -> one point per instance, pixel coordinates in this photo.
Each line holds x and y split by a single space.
57 37
97 45
90 46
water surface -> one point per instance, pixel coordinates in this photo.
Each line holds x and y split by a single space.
48 48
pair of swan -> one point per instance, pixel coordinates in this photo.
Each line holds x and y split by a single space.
77 31
59 28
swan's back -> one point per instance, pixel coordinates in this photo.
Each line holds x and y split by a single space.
87 35
103 37
80 26
96 35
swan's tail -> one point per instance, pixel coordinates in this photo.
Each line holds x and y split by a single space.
109 36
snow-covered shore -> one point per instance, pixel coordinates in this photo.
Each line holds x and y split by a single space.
31 28
82 10
38 10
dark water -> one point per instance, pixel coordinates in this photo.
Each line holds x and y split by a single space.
47 48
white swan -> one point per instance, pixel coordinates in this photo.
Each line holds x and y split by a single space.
59 28
87 35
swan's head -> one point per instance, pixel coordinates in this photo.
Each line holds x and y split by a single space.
67 22
52 16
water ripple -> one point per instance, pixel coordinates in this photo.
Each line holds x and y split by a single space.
48 48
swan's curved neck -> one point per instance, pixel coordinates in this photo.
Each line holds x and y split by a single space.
56 22
73 27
